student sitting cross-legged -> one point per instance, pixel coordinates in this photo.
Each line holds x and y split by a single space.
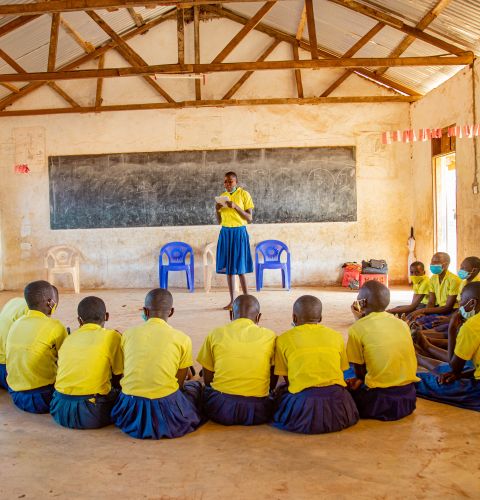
155 402
32 349
87 360
237 364
311 358
450 379
381 349
14 309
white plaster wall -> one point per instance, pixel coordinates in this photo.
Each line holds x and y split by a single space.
451 103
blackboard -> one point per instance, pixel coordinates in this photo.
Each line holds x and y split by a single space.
177 188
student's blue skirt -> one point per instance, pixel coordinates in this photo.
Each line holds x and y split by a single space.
389 403
233 251
464 393
230 409
83 412
169 417
427 323
3 376
316 410
35 400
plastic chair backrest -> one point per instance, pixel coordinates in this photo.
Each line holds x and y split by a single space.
208 252
271 250
62 256
176 252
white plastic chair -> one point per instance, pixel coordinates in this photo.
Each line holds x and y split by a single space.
63 259
209 261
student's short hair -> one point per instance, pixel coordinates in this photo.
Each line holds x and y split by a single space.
444 256
417 263
91 309
472 289
37 293
231 174
473 261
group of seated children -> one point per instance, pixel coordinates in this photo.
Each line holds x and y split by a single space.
445 325
139 380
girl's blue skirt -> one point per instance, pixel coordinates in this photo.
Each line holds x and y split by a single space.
464 393
233 251
172 416
3 376
230 409
34 400
390 403
427 322
83 412
316 410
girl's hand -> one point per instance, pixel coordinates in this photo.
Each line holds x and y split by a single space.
231 204
218 207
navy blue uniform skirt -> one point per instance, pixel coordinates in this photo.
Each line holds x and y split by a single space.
427 322
230 409
34 400
316 410
233 251
389 403
464 393
3 376
83 412
172 416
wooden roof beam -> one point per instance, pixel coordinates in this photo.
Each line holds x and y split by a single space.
296 54
196 48
98 93
52 50
312 32
136 17
16 23
180 36
86 46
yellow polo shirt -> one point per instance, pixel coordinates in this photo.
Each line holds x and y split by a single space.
384 344
14 309
422 288
468 342
464 283
311 355
88 358
153 353
241 354
230 217
32 351
449 286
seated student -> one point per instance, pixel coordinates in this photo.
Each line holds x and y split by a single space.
14 309
448 382
32 350
381 349
443 293
421 286
83 397
311 358
469 272
155 402
237 359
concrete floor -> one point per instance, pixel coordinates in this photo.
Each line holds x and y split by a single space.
431 454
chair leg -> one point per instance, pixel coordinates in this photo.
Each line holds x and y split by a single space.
283 278
76 282
260 279
189 279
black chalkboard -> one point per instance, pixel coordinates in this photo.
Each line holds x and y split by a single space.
177 188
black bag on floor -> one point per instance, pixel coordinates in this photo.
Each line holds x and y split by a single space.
374 266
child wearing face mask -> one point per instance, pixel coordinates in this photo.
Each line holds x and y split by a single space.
32 349
453 381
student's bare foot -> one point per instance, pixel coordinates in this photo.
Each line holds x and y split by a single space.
228 307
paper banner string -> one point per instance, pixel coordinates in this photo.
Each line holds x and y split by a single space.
426 134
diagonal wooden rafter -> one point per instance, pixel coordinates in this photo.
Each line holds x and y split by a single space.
73 33
16 23
63 94
196 48
249 26
296 55
397 23
234 89
136 17
129 54
427 19
98 93
109 45
286 37
312 32
351 52
11 87
180 36
52 50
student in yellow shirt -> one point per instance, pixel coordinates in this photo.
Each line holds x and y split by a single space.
442 302
421 290
311 358
14 309
87 361
237 361
155 401
33 343
469 272
233 248
381 349
456 380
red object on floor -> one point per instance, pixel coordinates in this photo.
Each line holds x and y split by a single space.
348 276
382 278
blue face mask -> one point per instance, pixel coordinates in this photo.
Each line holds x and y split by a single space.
436 268
463 275
144 316
466 314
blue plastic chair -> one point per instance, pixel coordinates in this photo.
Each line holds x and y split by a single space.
177 253
271 251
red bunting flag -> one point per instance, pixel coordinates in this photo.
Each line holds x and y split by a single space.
22 169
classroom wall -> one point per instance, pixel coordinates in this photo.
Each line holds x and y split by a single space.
128 257
451 103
